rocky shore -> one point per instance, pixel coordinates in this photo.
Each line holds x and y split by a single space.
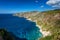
44 33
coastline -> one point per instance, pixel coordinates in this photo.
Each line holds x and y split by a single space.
44 33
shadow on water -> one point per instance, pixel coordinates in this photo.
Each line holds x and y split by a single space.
4 35
19 26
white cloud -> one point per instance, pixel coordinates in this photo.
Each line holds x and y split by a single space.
54 3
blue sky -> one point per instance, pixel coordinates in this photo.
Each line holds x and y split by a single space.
15 6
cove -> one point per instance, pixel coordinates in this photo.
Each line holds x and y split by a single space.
19 26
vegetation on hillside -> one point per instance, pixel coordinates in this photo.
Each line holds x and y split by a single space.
50 21
4 35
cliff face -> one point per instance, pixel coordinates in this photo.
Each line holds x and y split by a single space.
48 20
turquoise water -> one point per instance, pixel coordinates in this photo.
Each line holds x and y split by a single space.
20 26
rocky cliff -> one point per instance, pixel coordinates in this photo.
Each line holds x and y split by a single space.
47 20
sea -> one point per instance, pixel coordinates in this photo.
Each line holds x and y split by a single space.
20 26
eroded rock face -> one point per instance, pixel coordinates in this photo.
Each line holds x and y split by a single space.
51 22
51 19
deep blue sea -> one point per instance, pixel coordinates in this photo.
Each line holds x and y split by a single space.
19 26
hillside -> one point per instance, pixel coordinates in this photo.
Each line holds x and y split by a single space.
26 14
48 20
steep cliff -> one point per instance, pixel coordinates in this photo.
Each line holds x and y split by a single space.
49 21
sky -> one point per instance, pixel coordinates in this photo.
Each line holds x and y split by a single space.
16 6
